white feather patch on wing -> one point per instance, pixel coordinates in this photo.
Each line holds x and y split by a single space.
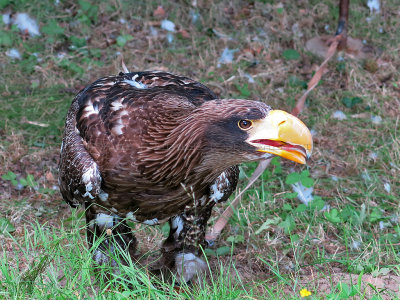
117 105
117 129
221 183
89 110
91 174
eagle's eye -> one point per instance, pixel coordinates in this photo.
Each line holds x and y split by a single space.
245 124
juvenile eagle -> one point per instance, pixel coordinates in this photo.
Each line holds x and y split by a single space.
152 147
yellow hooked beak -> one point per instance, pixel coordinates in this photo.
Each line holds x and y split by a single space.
282 134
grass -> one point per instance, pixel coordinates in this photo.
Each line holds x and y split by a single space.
345 243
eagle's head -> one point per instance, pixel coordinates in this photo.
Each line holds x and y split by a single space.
222 133
252 130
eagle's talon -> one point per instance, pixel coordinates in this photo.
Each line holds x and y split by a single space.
188 283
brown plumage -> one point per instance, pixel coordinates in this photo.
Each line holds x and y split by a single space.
153 147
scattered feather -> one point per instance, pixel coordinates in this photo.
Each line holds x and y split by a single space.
326 207
61 55
262 38
249 77
194 15
226 56
19 187
26 24
122 21
296 30
355 245
37 55
376 119
394 219
339 115
326 27
373 156
153 31
365 176
221 35
13 53
313 132
374 6
168 25
383 225
303 194
387 187
280 90
6 19
170 37
334 178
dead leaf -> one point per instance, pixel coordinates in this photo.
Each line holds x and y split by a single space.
354 49
184 33
376 282
159 12
49 176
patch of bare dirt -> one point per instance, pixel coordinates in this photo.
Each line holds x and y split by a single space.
322 284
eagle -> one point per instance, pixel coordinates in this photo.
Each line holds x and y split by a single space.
153 147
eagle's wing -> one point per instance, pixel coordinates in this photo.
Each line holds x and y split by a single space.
79 175
92 127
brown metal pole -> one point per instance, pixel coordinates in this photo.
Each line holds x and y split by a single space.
343 22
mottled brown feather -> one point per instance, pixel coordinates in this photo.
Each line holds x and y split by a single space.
145 142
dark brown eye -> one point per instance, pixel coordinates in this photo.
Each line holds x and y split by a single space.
245 124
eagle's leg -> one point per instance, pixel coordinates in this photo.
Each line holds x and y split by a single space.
183 248
112 232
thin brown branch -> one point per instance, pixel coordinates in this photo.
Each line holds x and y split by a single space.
317 76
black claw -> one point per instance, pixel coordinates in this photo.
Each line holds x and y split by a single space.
188 283
210 243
